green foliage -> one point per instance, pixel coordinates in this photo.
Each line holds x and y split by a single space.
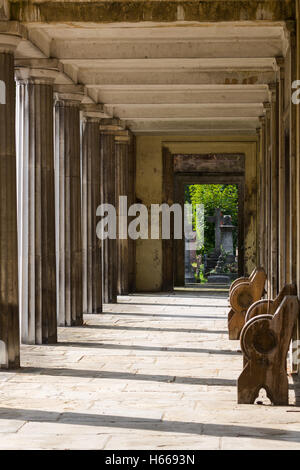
213 196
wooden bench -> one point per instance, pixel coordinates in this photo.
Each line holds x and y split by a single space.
265 341
243 293
267 306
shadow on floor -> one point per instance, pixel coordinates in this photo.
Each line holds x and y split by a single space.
96 374
184 293
146 348
121 422
162 330
161 315
296 387
172 305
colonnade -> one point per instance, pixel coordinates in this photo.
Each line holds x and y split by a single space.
67 160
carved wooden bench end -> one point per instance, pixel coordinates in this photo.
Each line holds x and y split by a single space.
244 293
265 341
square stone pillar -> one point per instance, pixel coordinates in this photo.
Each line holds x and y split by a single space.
9 302
68 205
35 156
91 199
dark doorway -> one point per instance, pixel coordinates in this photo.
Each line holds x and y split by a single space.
211 234
183 171
181 182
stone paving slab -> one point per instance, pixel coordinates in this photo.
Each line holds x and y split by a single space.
152 372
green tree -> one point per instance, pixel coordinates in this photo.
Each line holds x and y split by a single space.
213 196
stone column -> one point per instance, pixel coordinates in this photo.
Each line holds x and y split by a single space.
268 195
131 201
274 189
122 142
293 200
35 154
108 129
262 197
68 207
293 163
9 303
91 199
281 178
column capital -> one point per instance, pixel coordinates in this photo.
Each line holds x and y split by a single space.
68 95
9 42
280 61
111 126
267 108
38 71
262 119
273 90
92 112
291 26
123 137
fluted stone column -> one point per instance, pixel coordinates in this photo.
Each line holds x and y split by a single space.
262 193
91 199
68 209
9 303
274 188
282 188
268 196
122 142
108 196
35 156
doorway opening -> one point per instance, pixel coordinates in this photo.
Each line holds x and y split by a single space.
211 245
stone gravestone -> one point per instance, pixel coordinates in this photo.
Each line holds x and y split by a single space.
226 229
212 258
190 257
226 245
217 220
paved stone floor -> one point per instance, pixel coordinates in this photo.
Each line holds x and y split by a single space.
153 372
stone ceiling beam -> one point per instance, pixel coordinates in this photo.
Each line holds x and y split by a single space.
131 111
94 76
184 94
182 40
192 125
